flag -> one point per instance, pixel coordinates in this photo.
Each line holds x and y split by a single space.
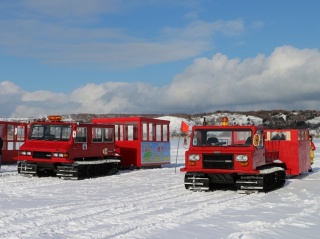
184 127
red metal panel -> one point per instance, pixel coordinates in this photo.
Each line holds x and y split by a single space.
293 150
130 149
13 134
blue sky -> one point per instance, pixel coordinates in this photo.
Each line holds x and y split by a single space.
157 56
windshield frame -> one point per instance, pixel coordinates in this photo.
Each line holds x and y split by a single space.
50 132
222 137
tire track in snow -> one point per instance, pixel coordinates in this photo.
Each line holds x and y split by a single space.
42 217
61 217
38 214
298 217
206 206
147 209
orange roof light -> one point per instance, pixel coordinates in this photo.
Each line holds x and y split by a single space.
54 117
225 121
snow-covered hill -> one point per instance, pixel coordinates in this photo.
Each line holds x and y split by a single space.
212 119
175 122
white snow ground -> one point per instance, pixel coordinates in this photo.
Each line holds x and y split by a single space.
154 204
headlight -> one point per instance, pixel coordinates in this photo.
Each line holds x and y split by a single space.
60 155
25 153
242 158
194 157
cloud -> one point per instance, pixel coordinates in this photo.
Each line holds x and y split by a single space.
114 97
8 88
287 79
107 48
70 33
10 97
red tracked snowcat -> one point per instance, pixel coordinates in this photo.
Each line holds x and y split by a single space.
247 158
70 150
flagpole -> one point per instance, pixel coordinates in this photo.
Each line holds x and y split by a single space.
175 168
183 128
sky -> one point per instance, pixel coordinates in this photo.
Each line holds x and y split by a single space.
154 203
158 56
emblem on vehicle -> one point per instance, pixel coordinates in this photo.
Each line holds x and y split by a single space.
105 151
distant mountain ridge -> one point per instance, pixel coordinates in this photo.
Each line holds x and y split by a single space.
271 118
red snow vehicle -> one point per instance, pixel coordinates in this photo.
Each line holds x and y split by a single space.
142 142
69 149
13 134
250 158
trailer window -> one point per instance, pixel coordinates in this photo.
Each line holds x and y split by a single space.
151 132
144 131
278 135
10 132
165 131
158 132
131 131
303 135
10 137
20 132
118 131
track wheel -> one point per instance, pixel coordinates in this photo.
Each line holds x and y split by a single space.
104 169
281 178
81 171
96 170
89 171
112 171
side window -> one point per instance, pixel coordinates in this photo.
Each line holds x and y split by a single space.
81 135
20 132
10 132
151 132
198 138
118 131
131 131
165 132
281 135
144 129
96 135
158 132
108 135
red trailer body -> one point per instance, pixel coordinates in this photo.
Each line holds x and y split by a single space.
68 149
13 135
246 157
142 141
291 146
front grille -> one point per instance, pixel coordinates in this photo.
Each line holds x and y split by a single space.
42 155
218 161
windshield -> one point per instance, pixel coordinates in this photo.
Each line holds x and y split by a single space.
222 137
50 132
